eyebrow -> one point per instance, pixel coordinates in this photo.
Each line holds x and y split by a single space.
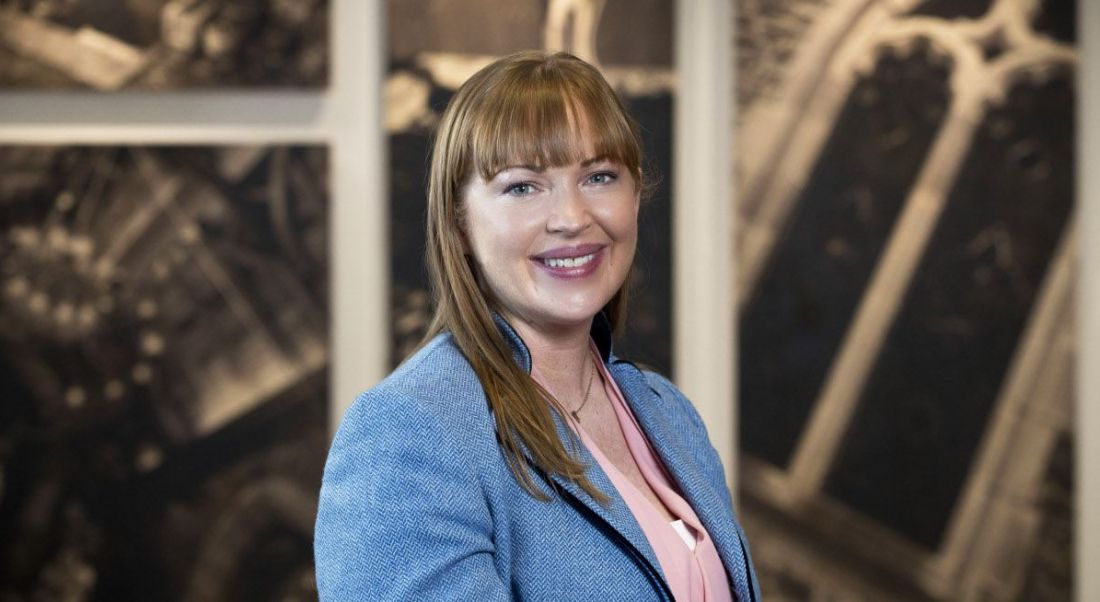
540 169
588 162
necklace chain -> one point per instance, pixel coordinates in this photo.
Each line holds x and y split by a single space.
587 391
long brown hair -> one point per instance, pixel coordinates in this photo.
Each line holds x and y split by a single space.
523 108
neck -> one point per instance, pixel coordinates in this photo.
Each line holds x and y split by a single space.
560 355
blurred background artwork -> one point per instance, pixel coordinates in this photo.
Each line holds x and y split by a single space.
435 45
163 44
905 269
905 275
164 368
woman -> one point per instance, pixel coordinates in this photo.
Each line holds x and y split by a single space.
514 456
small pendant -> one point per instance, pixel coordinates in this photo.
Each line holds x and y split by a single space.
575 417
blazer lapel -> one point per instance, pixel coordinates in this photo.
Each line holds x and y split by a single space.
615 513
705 501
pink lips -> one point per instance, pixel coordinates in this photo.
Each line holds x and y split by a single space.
569 273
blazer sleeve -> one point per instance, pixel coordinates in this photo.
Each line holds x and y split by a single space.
402 515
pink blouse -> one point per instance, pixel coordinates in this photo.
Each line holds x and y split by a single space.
683 547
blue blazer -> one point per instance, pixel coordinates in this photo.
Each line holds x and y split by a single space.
418 503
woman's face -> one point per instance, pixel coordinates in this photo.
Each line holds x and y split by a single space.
553 244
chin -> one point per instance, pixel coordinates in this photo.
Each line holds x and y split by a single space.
572 316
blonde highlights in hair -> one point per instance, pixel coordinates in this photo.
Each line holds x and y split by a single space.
535 109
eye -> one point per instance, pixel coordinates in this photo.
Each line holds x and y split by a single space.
603 177
520 189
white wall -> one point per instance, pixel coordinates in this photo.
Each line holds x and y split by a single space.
702 215
1088 395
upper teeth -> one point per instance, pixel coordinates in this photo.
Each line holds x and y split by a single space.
569 262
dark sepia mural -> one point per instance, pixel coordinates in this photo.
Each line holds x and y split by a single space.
163 44
435 45
164 368
905 297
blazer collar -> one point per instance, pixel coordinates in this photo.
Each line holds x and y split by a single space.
601 335
615 514
669 446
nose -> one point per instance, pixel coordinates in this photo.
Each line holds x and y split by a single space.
569 214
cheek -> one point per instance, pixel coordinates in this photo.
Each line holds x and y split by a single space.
623 222
478 229
495 234
629 232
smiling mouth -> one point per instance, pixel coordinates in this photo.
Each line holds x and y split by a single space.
569 262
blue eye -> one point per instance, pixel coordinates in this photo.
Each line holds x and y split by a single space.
520 189
603 177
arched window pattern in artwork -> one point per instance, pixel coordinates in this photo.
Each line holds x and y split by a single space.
905 252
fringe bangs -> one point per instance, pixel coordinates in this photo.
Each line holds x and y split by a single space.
547 123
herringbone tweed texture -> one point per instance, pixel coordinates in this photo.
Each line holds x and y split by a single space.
417 501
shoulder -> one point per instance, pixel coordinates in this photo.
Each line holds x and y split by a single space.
673 404
681 408
432 404
437 366
406 465
664 387
420 425
434 384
